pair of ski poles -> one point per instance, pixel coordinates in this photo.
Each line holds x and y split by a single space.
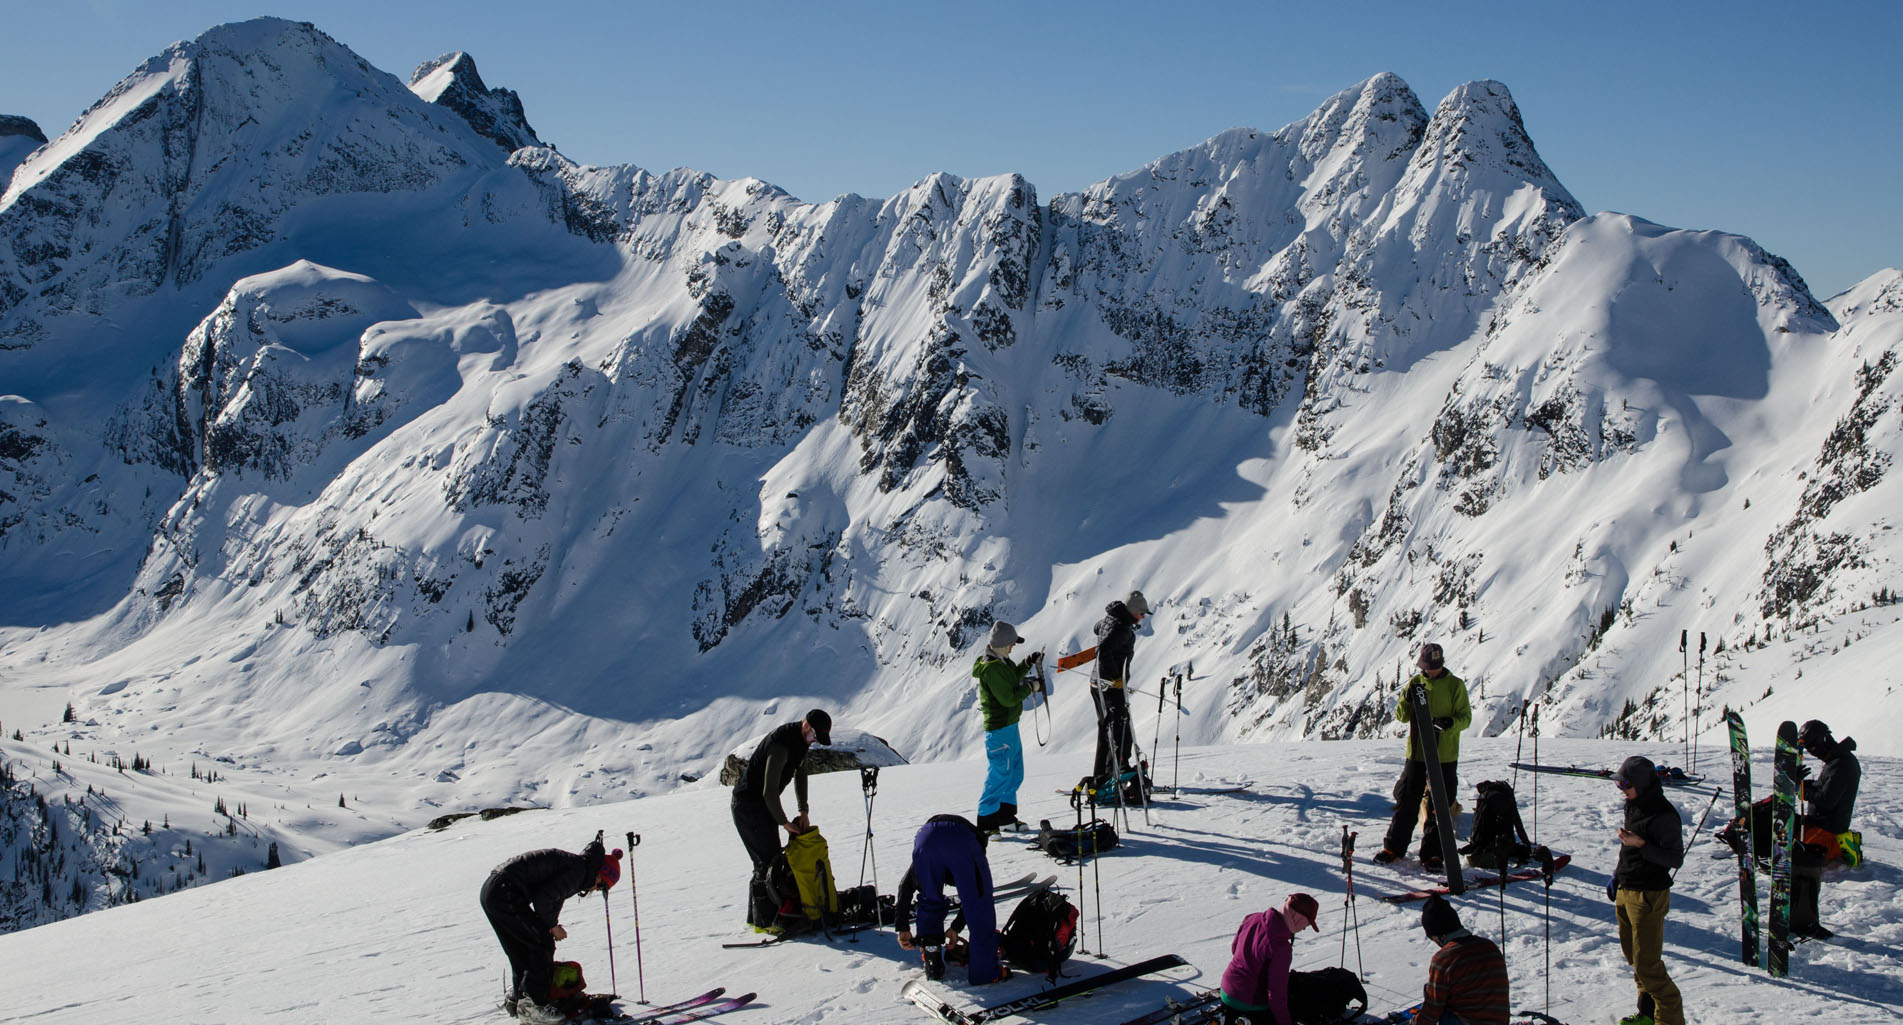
634 901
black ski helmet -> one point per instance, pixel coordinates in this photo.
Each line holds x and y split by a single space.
1814 735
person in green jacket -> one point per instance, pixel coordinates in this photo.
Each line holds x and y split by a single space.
1002 687
1447 700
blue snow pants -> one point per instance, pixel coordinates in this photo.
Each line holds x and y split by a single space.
948 852
1004 755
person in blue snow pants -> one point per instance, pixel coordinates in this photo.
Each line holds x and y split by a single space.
950 849
1002 687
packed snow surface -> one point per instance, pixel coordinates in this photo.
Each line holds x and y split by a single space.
391 931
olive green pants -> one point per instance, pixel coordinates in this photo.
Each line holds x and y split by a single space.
1642 939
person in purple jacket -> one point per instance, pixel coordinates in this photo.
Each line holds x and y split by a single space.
1255 985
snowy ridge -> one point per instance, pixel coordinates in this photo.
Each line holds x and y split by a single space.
344 442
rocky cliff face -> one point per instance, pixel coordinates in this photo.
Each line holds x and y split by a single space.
649 451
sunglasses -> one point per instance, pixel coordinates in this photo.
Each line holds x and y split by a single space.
1622 784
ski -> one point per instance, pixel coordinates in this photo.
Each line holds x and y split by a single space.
1783 828
1477 882
682 1017
1670 776
922 995
648 1014
1024 889
1747 861
1023 885
1176 1011
1427 742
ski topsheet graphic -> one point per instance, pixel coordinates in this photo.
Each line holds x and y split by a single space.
1427 742
1747 858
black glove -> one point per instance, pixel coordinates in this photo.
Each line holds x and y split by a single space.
1443 722
1612 890
1036 659
1803 771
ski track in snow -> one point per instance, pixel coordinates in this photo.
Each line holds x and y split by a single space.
391 931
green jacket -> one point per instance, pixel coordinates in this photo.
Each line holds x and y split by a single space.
1446 696
1002 688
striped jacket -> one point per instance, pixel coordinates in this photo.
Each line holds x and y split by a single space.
1467 976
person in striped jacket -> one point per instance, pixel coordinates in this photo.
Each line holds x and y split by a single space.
1467 978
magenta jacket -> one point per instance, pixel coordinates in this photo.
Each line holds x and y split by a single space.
1257 977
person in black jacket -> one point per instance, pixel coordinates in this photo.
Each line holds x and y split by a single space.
1832 796
950 849
1651 847
1116 646
523 900
758 813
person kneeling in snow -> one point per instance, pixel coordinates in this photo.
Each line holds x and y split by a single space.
1255 985
1467 979
523 898
949 849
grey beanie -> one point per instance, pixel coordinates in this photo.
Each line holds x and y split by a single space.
1137 604
1003 635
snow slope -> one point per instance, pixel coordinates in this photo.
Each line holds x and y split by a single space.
390 931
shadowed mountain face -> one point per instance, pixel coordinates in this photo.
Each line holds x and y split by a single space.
349 412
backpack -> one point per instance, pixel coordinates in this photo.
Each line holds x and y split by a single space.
1041 933
1497 829
810 863
1072 844
1322 997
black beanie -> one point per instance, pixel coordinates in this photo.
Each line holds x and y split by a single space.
1639 771
1438 917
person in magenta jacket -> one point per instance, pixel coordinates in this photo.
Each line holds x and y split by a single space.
1255 985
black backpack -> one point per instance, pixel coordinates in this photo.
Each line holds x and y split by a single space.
1322 997
1072 844
1041 933
1497 830
862 906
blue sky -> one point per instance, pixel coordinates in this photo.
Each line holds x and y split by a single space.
1771 120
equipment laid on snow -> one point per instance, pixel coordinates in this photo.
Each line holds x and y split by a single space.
1558 861
1041 933
922 995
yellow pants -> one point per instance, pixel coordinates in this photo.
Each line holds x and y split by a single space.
1642 939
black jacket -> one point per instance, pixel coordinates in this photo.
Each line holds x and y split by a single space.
1116 642
1653 817
1832 796
549 877
778 760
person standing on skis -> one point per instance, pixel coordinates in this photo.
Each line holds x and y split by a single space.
1002 687
1116 646
523 900
1651 847
1447 701
758 814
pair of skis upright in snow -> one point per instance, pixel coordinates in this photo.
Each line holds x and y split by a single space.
1785 763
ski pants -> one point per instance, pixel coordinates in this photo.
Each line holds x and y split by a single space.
1407 810
525 939
1113 731
1642 940
945 852
761 837
1004 771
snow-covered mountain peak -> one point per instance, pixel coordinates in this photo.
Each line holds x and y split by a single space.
19 136
452 81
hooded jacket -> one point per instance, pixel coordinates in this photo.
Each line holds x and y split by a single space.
549 877
1446 696
1116 644
1653 817
1832 796
1002 688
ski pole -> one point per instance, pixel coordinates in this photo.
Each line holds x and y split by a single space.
1698 829
1701 694
1096 874
1353 914
1684 685
1156 738
869 786
634 905
608 918
1077 802
1536 784
1177 763
1517 744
